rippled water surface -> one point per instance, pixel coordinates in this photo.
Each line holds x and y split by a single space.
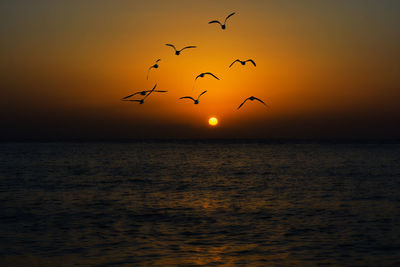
199 204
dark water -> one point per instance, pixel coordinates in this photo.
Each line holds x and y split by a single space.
199 204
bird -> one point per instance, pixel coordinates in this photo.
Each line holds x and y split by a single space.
178 52
243 62
141 101
196 101
201 75
251 98
154 66
223 26
143 93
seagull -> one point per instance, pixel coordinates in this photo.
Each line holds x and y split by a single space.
143 93
201 75
223 26
196 101
141 101
177 52
243 62
251 98
154 66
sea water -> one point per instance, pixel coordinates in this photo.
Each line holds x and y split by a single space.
199 203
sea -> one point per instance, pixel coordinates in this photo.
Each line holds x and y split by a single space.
199 203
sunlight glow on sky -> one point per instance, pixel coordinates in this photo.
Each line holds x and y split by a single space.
325 69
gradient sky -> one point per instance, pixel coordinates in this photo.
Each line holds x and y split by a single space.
327 69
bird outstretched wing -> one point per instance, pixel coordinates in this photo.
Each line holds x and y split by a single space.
201 94
160 91
250 60
209 73
255 98
171 45
158 60
243 103
237 60
151 91
188 97
149 72
132 100
230 15
186 47
130 95
215 21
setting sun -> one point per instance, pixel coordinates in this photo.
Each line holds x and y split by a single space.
213 121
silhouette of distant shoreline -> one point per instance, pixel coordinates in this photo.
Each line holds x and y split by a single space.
209 140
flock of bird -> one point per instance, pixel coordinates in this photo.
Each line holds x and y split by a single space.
147 93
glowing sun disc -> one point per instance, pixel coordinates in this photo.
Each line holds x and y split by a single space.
213 121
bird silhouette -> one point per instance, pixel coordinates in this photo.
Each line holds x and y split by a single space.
155 66
143 93
141 101
178 52
196 101
251 98
201 75
243 62
223 26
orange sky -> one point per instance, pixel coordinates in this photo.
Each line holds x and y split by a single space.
326 69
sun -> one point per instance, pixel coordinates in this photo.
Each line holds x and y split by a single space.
213 121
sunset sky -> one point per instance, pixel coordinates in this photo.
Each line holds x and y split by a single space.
326 69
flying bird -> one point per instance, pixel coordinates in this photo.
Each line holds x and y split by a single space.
178 52
243 62
155 66
251 98
201 75
196 101
223 26
145 93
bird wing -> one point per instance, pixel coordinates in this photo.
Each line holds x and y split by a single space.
234 62
255 98
132 100
209 73
188 97
243 103
130 95
230 15
250 60
149 71
201 94
191 46
171 45
151 91
160 91
215 21
158 60
197 77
